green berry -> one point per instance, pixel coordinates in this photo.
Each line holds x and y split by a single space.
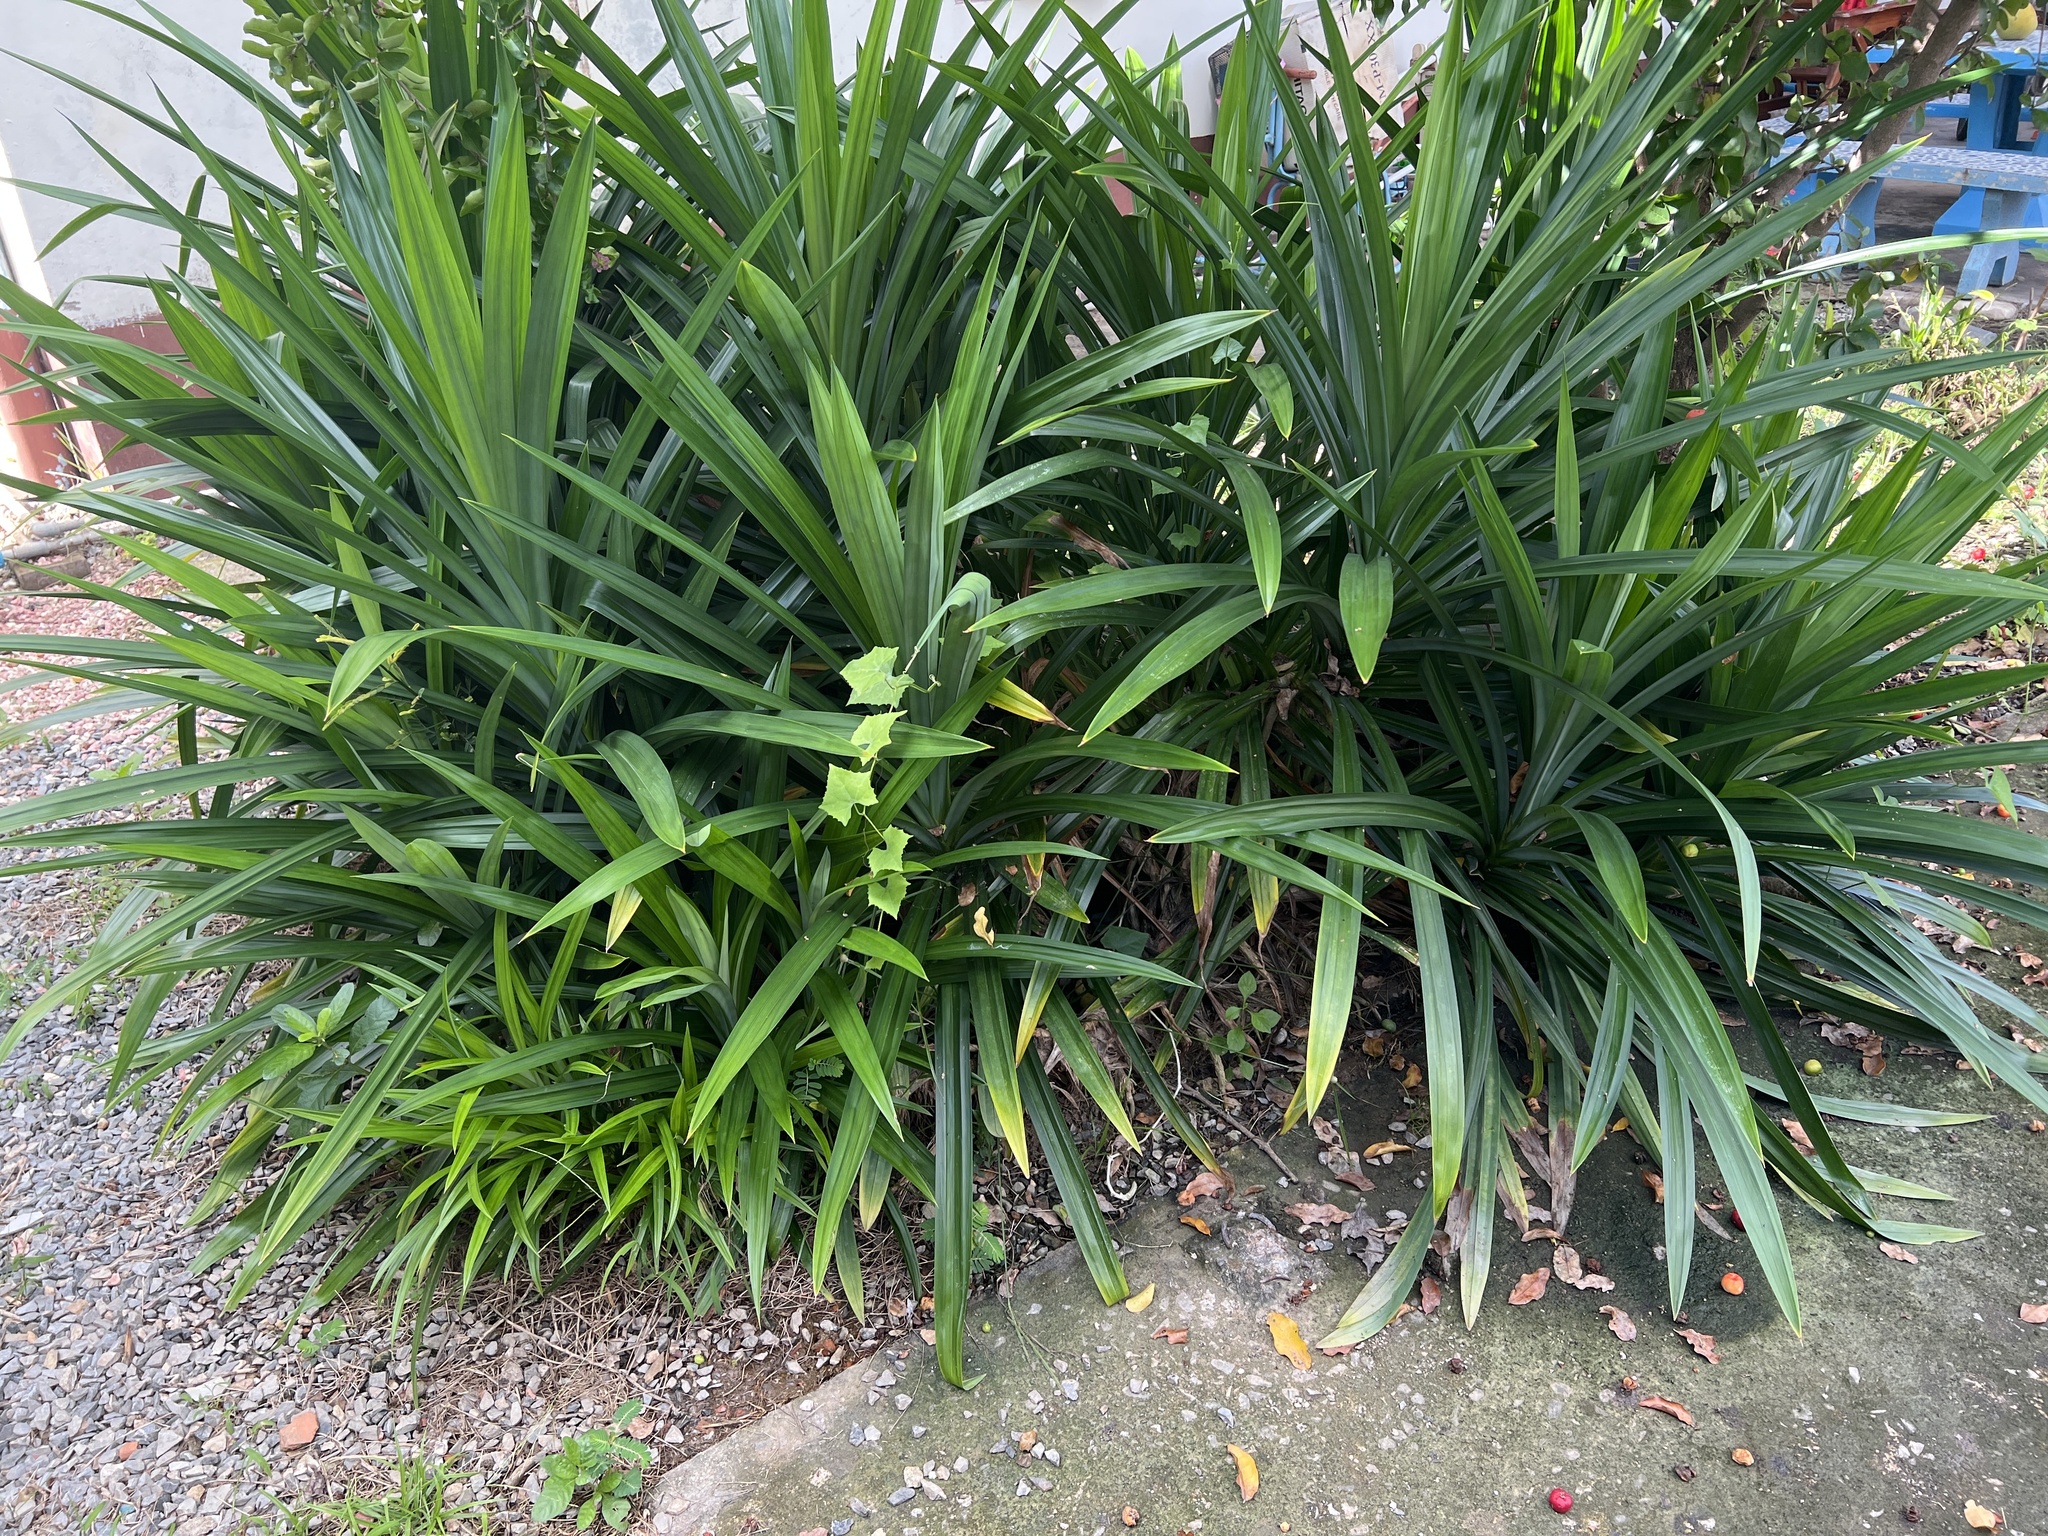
1812 1067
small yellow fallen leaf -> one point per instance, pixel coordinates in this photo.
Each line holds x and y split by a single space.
1141 1301
1197 1223
1247 1469
1412 1078
1288 1340
1619 1125
1980 1518
983 929
1381 1148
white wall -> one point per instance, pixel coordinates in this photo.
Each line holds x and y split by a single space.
41 119
38 113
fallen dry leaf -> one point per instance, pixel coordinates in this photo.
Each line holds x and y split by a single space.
1665 1405
1896 1251
2034 1311
1569 1267
1702 1344
1207 1182
1357 1181
1197 1223
1412 1078
1656 1183
2030 961
1742 1456
1247 1472
1310 1215
1287 1339
1798 1134
1170 1334
1981 1519
1621 1324
1130 1515
1530 1287
1382 1148
929 1335
983 929
1432 1295
1142 1300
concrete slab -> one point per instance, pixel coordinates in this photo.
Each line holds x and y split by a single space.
1915 1388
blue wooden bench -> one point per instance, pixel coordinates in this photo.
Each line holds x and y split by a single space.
2007 184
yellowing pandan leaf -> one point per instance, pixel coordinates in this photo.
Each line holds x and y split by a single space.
1142 1300
1012 700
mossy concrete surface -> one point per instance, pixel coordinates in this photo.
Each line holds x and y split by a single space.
1913 1389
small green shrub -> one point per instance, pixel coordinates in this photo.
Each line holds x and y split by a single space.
596 1473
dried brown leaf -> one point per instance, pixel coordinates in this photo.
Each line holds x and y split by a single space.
1620 1324
1897 1251
1432 1295
1981 1519
1207 1182
1357 1181
1287 1339
1702 1344
1530 1287
1317 1215
1665 1405
1656 1183
1566 1265
1171 1335
2034 1311
1798 1134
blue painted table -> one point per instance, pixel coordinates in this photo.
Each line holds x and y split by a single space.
1994 123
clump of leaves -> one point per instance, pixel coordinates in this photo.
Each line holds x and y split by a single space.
597 1473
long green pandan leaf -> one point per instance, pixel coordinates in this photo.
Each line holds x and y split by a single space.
953 1144
1077 1189
1388 1289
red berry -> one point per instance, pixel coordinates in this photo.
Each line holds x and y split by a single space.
1980 553
1560 1501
